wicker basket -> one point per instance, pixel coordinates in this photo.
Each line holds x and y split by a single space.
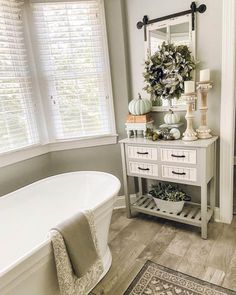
168 206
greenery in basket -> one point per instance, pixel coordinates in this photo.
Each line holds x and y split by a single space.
167 69
169 192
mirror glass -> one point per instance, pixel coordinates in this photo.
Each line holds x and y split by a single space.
180 35
178 31
157 37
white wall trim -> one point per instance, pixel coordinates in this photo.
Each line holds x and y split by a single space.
37 150
22 154
108 69
227 122
217 214
82 143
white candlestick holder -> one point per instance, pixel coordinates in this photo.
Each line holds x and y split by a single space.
203 131
189 134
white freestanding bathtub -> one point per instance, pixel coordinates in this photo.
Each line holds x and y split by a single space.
26 215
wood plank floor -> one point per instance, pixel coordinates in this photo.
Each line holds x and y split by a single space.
177 246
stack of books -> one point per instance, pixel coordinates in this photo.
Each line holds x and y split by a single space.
138 124
139 119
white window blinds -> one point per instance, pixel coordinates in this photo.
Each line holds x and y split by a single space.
72 54
18 127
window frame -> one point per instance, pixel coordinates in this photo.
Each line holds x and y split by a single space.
46 103
33 99
47 141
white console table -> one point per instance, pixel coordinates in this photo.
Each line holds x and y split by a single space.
192 163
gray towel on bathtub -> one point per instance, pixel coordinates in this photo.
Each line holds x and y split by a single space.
79 243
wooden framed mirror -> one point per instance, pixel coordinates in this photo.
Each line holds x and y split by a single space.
177 30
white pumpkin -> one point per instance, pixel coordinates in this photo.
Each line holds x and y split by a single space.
140 106
176 133
171 118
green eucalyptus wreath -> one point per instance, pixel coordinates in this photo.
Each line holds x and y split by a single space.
167 69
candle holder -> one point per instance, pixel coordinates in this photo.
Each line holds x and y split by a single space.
189 134
203 131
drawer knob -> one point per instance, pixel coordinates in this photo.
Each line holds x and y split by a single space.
178 173
143 169
177 156
142 153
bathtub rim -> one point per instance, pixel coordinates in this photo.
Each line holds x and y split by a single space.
8 195
47 242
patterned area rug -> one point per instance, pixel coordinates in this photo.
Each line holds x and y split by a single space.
154 279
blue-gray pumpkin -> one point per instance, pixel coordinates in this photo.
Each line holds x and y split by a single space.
140 106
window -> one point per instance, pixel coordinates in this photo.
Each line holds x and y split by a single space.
69 95
18 127
74 66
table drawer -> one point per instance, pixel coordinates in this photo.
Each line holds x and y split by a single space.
181 173
179 156
143 153
143 168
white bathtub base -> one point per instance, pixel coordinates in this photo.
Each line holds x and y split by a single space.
34 271
42 273
106 260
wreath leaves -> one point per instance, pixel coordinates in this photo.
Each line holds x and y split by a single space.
166 70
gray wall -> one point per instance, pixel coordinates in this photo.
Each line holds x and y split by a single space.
17 175
126 48
208 46
102 158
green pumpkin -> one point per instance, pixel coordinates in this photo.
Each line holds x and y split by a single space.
140 106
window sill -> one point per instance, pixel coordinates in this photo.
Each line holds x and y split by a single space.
37 150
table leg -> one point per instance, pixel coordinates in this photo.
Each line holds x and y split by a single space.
145 133
140 187
125 180
128 133
204 210
213 183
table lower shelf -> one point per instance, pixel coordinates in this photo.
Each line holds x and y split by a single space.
191 213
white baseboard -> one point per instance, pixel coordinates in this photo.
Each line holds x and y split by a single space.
217 214
120 204
120 201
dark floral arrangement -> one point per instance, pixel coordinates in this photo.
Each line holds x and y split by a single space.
166 70
169 192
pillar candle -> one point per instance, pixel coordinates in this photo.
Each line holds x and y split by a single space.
189 86
204 75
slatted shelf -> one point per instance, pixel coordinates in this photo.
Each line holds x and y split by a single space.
191 213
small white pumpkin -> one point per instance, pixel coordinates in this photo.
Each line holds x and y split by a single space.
176 133
140 106
171 118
